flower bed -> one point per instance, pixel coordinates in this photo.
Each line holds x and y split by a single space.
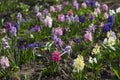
60 40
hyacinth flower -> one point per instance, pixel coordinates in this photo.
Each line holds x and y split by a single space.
48 21
58 8
16 26
70 13
33 45
69 18
75 4
96 50
52 9
57 41
112 12
40 17
105 7
4 62
35 29
108 26
20 17
91 28
88 36
78 64
97 4
111 38
67 49
36 9
5 43
45 11
82 19
92 60
90 2
118 10
61 17
13 31
57 31
8 25
77 40
106 15
76 18
111 20
84 5
65 3
91 17
97 11
56 56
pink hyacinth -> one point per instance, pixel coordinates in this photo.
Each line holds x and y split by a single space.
84 5
4 62
58 31
56 56
52 9
106 15
97 10
88 36
105 7
61 17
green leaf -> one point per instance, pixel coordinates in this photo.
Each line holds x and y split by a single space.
116 70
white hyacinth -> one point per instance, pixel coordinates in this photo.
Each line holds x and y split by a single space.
48 21
118 10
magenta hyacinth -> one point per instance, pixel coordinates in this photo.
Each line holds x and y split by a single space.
56 56
70 13
88 36
4 62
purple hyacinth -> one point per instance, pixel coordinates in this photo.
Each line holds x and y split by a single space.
111 20
91 28
35 29
64 3
90 2
8 25
16 26
107 27
82 19
77 40
75 4
67 49
33 45
13 31
57 41
36 9
91 17
45 11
